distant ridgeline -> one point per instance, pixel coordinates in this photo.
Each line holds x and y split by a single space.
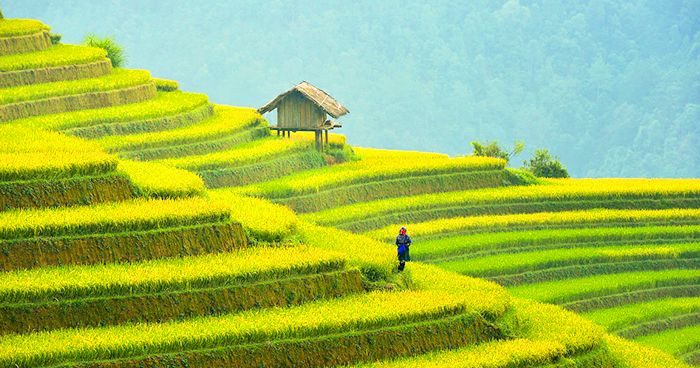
144 226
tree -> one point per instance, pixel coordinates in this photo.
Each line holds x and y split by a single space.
543 164
115 52
492 149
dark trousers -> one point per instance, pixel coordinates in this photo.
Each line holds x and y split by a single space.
403 257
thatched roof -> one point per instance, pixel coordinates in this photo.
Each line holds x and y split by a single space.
316 95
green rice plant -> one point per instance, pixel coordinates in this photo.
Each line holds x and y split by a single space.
652 327
269 168
600 285
681 289
512 263
198 147
128 245
675 342
333 138
119 78
160 290
492 300
371 169
180 302
543 322
154 124
21 27
375 260
590 269
31 154
81 190
136 215
543 220
626 316
493 354
57 55
241 266
354 313
638 355
115 52
357 193
263 220
164 105
55 73
571 194
545 334
238 156
91 100
166 85
479 245
34 42
226 121
160 181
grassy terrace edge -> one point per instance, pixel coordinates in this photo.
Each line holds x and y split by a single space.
172 289
482 244
421 308
546 197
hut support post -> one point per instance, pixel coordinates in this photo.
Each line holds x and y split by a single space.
326 136
319 140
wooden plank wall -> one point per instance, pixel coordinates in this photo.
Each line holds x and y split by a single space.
295 111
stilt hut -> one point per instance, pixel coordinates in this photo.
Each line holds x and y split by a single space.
305 108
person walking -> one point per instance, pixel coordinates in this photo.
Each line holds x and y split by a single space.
403 244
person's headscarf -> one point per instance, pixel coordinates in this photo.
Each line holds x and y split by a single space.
402 230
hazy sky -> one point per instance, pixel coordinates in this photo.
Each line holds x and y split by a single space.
611 86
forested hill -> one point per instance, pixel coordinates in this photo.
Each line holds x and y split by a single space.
611 86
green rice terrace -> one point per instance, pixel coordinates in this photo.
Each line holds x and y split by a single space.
143 226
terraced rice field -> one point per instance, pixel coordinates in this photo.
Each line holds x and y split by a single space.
144 226
623 253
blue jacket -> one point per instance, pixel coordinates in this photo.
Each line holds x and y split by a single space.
403 241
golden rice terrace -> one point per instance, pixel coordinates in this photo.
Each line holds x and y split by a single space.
143 226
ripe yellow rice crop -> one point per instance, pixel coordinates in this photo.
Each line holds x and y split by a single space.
548 322
482 295
575 289
674 341
20 27
638 355
228 119
27 154
55 56
247 153
557 190
264 220
165 104
111 217
495 354
547 333
623 316
156 180
376 260
98 280
119 78
373 168
540 220
323 317
333 138
510 263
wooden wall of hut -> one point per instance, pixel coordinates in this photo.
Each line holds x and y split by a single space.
296 111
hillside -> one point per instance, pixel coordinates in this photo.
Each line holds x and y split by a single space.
144 226
610 79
